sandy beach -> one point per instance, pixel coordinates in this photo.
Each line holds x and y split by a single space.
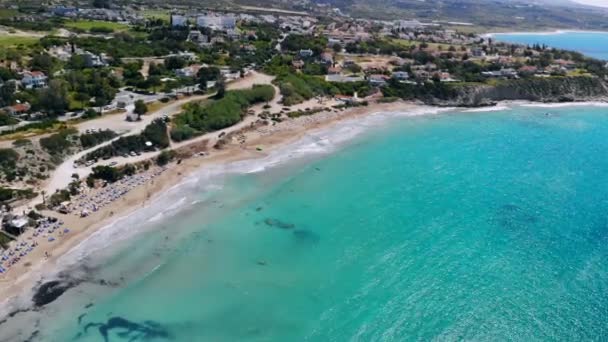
252 140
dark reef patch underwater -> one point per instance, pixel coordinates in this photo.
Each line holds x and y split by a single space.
127 330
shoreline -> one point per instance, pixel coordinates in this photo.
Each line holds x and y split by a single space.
541 33
17 286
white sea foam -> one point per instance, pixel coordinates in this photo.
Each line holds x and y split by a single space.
497 108
566 104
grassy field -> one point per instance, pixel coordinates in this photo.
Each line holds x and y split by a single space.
88 24
434 46
158 14
13 41
6 13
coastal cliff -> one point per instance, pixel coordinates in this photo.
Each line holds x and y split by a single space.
550 89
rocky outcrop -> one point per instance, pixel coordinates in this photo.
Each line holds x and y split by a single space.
550 89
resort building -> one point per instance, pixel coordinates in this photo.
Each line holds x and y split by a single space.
34 79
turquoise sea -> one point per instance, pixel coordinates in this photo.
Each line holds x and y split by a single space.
594 44
479 226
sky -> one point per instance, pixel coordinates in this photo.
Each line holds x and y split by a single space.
601 3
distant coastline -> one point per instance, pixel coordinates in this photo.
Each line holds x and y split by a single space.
541 33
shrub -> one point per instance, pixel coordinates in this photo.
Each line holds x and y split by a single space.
155 132
165 157
107 173
140 107
89 140
6 120
182 133
220 114
22 142
8 158
58 143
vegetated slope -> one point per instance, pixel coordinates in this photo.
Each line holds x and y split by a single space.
551 89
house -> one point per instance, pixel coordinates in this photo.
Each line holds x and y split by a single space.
197 37
216 22
189 71
478 52
409 24
334 70
17 225
249 48
349 62
179 20
34 79
327 58
446 77
185 55
378 80
333 41
297 63
62 52
92 60
228 22
569 65
306 53
401 75
217 40
18 109
234 34
421 74
343 79
64 11
528 70
506 73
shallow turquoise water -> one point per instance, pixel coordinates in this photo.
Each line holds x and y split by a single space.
464 226
594 44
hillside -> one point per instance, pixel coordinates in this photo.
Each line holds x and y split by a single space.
552 89
501 14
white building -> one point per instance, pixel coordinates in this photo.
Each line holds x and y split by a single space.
34 79
343 79
401 75
409 24
178 20
216 22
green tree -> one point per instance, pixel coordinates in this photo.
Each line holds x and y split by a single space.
165 157
77 62
42 62
220 85
153 82
174 62
54 98
107 173
207 74
7 93
83 98
140 107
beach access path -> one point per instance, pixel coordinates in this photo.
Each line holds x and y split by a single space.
62 176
